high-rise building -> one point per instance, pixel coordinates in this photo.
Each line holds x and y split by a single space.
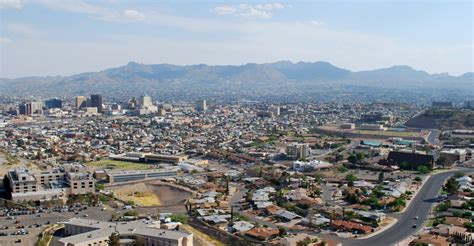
53 103
22 109
145 102
96 101
31 108
298 151
201 105
81 101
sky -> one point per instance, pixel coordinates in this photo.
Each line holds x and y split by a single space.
60 37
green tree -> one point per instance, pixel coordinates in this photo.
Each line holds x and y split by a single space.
114 239
360 156
351 178
352 159
459 174
423 169
342 169
451 185
281 231
179 218
469 226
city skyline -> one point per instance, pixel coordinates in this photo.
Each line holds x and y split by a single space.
42 38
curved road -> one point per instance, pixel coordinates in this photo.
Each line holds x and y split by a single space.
420 206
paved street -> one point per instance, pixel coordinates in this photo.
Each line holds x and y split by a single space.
433 137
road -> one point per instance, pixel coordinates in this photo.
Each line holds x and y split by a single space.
420 206
433 137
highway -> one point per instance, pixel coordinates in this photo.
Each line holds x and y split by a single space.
403 228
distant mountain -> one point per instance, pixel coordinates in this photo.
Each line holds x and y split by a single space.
170 78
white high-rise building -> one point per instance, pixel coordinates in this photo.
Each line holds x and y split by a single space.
145 102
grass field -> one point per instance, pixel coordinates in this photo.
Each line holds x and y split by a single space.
113 164
389 133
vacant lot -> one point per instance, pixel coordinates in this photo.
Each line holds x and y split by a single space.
139 193
169 195
150 194
113 164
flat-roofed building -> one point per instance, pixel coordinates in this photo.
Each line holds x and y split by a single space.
407 159
128 176
28 185
22 181
454 154
80 183
83 232
349 126
372 127
165 158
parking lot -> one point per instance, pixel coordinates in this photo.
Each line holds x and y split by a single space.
15 225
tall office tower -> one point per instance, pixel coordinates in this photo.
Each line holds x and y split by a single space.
81 102
53 103
145 102
36 107
201 105
96 101
22 109
31 108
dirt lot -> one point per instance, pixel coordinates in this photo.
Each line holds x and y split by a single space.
169 195
139 193
150 194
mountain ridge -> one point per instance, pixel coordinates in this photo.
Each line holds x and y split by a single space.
227 78
273 64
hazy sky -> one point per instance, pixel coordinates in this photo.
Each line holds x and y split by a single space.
59 37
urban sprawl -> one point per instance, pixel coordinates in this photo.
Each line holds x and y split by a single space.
86 171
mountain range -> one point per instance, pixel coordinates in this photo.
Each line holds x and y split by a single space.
135 76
